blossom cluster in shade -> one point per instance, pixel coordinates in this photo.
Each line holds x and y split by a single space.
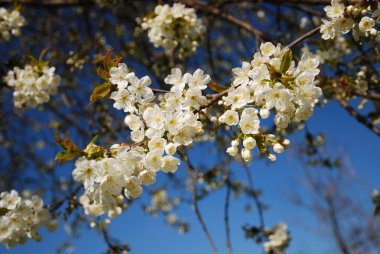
10 23
162 204
33 85
21 218
361 19
278 239
332 51
174 28
157 127
260 87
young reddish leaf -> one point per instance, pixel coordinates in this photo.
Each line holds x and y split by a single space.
116 61
102 73
66 144
107 59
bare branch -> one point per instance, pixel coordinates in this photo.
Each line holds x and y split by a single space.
361 119
51 3
193 176
258 204
303 37
228 17
226 218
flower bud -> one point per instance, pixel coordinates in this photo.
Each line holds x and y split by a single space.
278 148
147 177
264 113
272 157
233 150
170 149
249 143
246 154
235 143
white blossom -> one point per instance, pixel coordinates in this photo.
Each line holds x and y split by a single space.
21 218
10 23
278 240
343 19
32 85
175 27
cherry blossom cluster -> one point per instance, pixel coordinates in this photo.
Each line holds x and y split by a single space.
75 61
278 240
359 18
157 128
21 218
10 23
33 85
360 84
272 81
175 27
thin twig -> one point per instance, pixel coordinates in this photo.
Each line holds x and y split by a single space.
193 176
214 98
106 237
361 119
160 90
304 36
58 204
307 2
226 216
228 17
373 96
52 3
258 204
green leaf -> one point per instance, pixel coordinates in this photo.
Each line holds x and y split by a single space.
42 54
94 139
286 61
100 91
